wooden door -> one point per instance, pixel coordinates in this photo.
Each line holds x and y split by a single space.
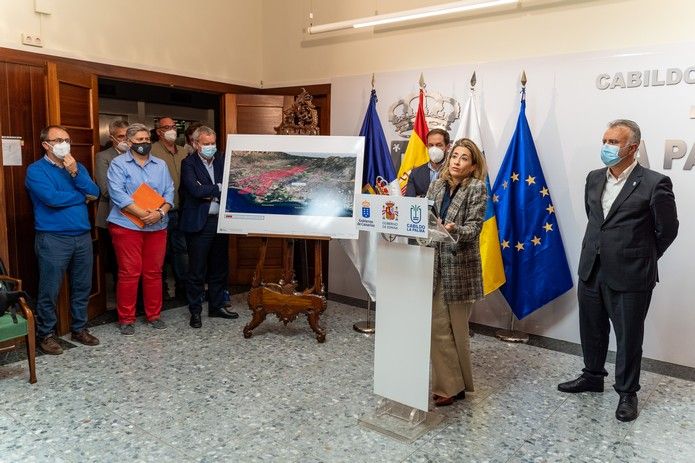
23 114
73 103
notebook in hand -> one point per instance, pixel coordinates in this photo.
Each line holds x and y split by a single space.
145 197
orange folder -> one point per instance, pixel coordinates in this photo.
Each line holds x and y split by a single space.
145 197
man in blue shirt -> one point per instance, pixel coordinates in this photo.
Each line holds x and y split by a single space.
60 189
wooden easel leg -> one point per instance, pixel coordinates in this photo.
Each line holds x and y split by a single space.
259 315
258 274
313 317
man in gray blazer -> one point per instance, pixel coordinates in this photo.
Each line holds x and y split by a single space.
419 180
632 221
117 129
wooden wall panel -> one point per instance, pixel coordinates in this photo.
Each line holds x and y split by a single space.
24 113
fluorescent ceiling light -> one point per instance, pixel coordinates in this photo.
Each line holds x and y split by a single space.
410 15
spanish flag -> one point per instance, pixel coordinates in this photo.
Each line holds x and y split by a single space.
416 152
490 252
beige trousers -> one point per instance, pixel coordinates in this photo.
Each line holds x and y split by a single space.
452 371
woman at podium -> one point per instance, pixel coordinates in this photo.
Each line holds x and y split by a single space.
459 199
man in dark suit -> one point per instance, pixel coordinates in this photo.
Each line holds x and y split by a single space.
420 178
632 221
201 186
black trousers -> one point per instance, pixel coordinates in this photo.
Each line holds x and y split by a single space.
208 262
600 305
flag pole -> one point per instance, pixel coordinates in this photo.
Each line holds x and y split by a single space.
366 326
512 335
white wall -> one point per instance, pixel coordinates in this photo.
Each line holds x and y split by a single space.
537 28
217 40
567 115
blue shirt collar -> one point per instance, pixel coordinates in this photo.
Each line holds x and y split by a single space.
130 158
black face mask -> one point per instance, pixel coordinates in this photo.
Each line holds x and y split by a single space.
141 148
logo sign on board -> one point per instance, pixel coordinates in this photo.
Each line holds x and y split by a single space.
382 213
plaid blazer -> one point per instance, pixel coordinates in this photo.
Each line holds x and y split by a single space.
458 265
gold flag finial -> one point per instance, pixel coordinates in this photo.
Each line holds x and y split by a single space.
473 81
523 79
422 81
372 81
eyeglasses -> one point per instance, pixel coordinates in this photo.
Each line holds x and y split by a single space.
167 127
59 140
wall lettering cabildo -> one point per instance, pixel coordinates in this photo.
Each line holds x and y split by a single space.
673 148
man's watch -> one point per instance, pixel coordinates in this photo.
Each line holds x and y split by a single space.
73 174
161 212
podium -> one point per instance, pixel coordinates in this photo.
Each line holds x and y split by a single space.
402 335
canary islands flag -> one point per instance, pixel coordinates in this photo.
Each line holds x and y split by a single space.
416 152
490 254
534 257
377 163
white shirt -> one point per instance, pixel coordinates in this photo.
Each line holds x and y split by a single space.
434 173
613 187
215 203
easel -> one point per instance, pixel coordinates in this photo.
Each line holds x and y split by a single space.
282 298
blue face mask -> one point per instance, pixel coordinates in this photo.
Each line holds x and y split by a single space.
208 151
610 155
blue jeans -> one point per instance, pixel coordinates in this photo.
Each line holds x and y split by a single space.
176 254
56 255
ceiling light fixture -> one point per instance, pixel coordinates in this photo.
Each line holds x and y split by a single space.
410 15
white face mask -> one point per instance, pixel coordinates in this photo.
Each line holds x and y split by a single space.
60 150
170 135
436 154
122 146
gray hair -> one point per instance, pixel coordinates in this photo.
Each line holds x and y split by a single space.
635 132
135 128
203 129
117 124
44 132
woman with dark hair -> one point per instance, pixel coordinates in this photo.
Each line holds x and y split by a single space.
459 199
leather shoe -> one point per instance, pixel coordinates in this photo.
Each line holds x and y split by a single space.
627 407
84 337
441 401
195 322
49 345
581 384
222 312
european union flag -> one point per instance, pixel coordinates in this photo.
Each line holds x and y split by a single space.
534 257
377 158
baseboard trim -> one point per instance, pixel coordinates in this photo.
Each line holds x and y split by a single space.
567 347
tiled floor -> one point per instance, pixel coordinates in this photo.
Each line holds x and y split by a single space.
211 395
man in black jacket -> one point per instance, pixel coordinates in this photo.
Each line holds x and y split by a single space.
632 221
419 180
201 187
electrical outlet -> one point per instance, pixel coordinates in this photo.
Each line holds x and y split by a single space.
33 40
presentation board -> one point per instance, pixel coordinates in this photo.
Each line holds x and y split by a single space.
291 185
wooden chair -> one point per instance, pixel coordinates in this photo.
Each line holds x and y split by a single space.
24 328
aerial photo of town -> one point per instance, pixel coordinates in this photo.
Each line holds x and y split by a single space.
274 182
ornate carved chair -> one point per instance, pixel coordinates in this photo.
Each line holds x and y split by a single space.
24 328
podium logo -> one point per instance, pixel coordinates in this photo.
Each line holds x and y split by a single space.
415 214
389 211
366 209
